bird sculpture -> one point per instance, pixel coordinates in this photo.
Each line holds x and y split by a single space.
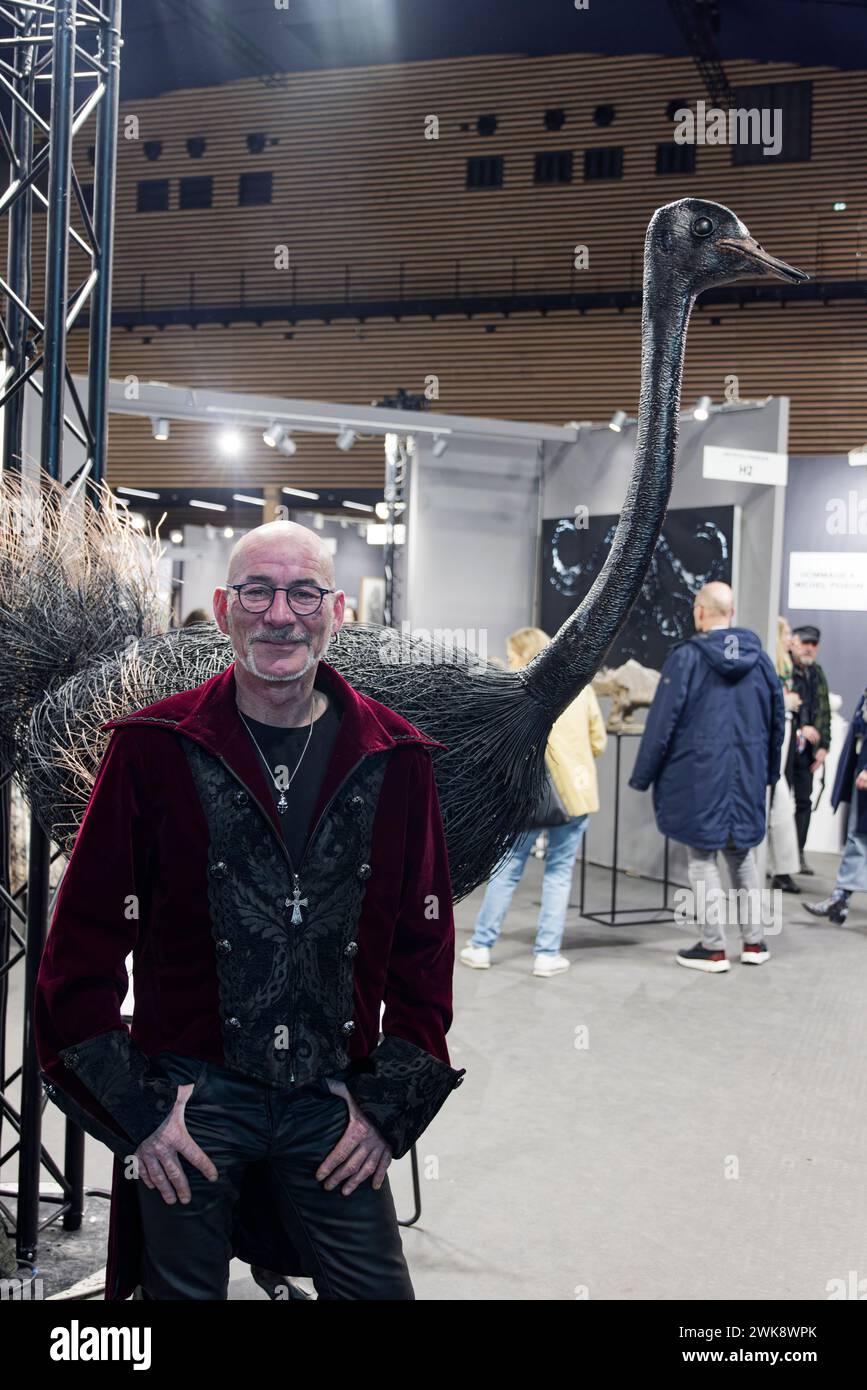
494 723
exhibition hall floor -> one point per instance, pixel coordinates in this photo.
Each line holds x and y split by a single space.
706 1143
704 1140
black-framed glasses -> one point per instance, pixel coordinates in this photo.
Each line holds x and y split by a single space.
303 599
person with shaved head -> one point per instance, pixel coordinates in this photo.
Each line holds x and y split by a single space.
269 847
710 749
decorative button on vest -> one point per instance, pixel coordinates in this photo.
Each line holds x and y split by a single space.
70 1059
218 869
351 948
233 1023
241 798
363 871
348 1028
224 946
357 804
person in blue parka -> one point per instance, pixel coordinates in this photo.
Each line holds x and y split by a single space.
711 748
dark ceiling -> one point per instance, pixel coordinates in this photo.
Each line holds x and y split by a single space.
189 43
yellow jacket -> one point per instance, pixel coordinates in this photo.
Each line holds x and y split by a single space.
576 739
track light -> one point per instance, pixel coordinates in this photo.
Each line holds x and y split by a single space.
345 439
272 435
702 408
228 532
287 445
160 429
176 537
617 421
439 446
858 457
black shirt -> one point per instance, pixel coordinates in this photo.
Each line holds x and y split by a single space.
282 747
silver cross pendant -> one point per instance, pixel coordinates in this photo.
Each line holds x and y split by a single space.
297 903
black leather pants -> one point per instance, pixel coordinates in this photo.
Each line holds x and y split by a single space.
351 1245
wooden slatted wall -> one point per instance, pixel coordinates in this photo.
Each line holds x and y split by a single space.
357 186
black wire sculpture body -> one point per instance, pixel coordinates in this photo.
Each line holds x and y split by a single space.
495 723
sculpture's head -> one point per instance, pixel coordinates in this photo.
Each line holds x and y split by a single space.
699 244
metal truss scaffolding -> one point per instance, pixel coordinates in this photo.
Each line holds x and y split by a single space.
59 76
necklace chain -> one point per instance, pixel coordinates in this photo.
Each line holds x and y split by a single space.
282 804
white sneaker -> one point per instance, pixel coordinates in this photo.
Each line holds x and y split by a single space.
479 957
550 965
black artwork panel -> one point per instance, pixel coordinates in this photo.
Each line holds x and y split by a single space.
694 548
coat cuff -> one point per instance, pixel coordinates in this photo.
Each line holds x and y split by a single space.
115 1072
403 1091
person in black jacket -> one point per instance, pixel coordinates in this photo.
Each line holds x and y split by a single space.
812 733
850 785
711 748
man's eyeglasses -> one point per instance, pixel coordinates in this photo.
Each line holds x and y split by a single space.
303 599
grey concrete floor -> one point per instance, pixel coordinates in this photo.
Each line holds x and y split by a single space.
704 1139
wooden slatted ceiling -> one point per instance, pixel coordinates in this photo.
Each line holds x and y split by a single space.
356 183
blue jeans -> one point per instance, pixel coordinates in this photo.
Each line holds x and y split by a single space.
852 873
563 842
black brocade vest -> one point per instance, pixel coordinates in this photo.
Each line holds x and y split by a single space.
285 991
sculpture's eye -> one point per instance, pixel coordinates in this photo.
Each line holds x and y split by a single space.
702 226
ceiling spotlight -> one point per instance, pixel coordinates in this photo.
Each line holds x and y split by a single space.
702 408
272 435
160 428
287 445
345 439
230 443
137 521
617 421
839 207
439 446
858 457
228 532
176 537
381 510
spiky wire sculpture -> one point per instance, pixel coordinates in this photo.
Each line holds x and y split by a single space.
76 583
448 692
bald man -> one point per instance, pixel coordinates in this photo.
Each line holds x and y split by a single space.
270 848
711 748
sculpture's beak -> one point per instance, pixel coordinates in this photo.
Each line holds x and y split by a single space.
765 264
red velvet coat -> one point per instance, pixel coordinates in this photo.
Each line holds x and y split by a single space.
144 832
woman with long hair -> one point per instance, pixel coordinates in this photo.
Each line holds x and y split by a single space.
575 740
784 857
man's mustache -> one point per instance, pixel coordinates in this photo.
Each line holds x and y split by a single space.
274 637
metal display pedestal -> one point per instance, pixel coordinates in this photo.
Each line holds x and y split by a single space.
624 916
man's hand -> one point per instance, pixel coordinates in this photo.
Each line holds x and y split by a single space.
810 733
861 781
158 1155
821 755
360 1153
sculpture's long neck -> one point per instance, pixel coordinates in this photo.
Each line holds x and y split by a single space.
558 674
